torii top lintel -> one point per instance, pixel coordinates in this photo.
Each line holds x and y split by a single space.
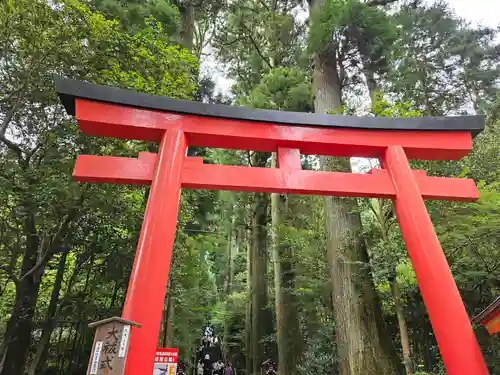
71 92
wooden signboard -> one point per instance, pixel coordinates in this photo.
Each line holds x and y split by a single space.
110 346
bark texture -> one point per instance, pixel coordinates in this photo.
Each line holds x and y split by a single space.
363 345
232 250
187 11
48 327
168 316
261 314
248 313
403 330
18 334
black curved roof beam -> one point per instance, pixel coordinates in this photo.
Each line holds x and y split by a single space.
69 89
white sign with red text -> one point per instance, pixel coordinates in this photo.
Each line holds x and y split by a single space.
166 361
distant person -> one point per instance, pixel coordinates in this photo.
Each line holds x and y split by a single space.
199 370
208 331
181 369
207 365
220 367
228 370
269 367
207 336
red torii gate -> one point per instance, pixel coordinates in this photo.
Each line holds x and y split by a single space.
176 124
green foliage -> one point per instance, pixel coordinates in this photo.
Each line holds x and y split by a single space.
327 20
354 22
132 14
229 316
151 65
382 108
281 89
320 357
440 64
96 225
192 286
256 37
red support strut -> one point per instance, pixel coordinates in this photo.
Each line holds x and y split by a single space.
148 281
450 322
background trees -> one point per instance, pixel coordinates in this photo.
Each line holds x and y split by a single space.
269 271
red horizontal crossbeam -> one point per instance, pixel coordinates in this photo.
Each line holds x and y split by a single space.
196 175
110 120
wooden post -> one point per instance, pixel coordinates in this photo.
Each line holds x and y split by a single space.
110 346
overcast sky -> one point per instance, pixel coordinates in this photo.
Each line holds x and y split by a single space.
486 12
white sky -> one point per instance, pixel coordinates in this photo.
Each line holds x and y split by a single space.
485 12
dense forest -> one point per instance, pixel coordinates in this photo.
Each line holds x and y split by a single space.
322 286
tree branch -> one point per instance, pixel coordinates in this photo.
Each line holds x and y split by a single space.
478 254
57 239
10 114
264 5
255 45
9 273
481 283
249 157
231 42
374 3
41 262
3 129
13 147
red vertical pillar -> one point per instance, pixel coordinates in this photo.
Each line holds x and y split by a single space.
450 322
148 281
